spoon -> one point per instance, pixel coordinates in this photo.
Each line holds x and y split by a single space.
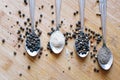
104 56
57 39
32 44
82 40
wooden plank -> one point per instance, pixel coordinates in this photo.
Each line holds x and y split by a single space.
56 67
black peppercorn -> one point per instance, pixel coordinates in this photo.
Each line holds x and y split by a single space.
18 46
23 15
71 26
17 22
41 15
71 53
74 14
52 21
52 13
95 69
3 41
61 22
42 6
28 19
20 74
24 53
6 6
19 12
69 68
52 6
46 55
14 53
97 1
29 67
100 28
39 20
18 32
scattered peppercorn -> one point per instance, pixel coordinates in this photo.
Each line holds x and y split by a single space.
19 12
71 26
3 41
97 1
46 55
28 19
52 6
41 15
52 13
14 53
6 6
52 21
23 15
17 22
24 53
29 67
20 74
100 28
69 68
42 6
18 46
71 53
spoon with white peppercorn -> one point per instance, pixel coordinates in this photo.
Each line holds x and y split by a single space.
82 43
104 56
57 39
32 44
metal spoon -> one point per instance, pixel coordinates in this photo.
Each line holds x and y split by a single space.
104 56
32 11
55 48
83 53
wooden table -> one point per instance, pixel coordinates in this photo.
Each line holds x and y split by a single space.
51 66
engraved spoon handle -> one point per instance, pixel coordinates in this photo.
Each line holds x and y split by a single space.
32 12
103 19
82 5
58 7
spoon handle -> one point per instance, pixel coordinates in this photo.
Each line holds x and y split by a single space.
103 19
58 7
82 5
32 11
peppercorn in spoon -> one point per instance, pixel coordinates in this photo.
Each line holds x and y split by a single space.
57 39
32 44
82 42
104 56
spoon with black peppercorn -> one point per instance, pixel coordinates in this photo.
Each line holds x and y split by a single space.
32 44
57 39
104 56
82 43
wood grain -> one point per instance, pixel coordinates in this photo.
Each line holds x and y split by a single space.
55 67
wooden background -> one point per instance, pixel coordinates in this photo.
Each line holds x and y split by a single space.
56 67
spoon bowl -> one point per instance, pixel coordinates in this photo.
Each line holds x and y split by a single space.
34 53
82 54
109 63
55 36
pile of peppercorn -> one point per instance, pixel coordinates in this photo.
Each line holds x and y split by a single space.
82 43
32 42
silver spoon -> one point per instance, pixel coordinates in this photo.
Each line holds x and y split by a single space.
82 53
56 44
32 52
104 56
